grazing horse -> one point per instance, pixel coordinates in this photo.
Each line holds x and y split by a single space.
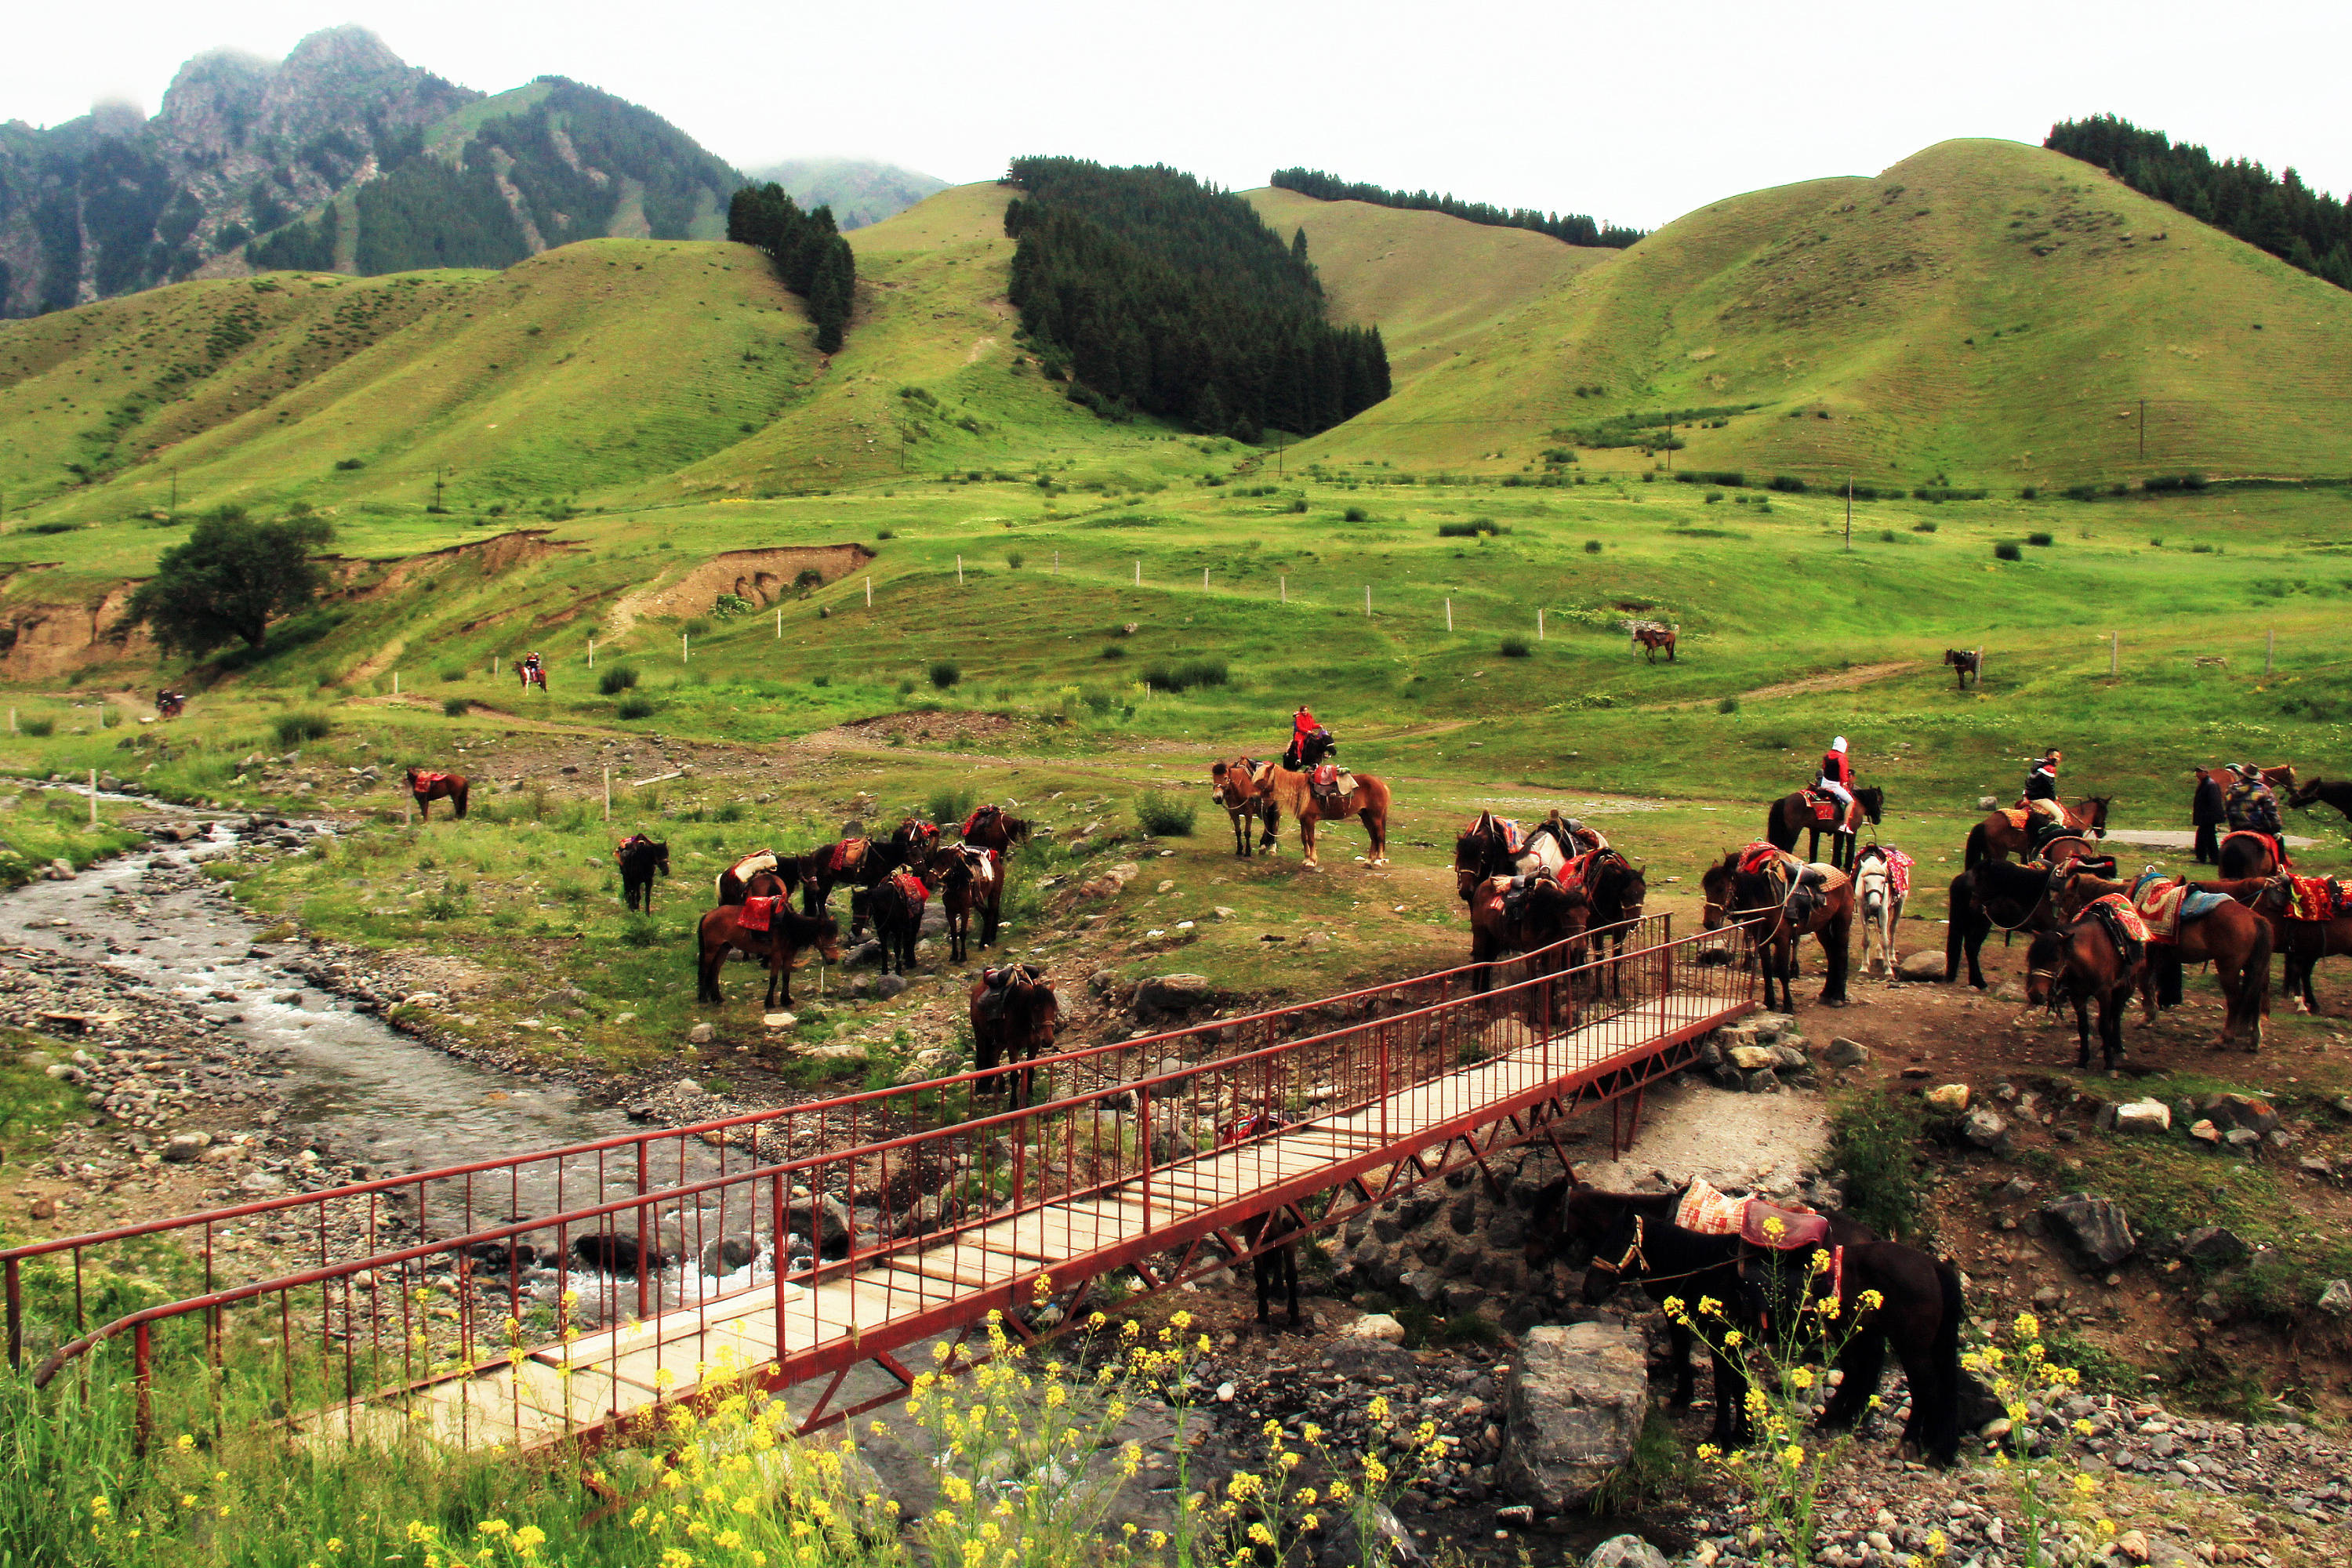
1776 902
1882 880
968 878
864 861
1965 662
1794 814
431 786
1998 893
894 905
2003 831
1013 1017
2336 792
1276 1269
1230 782
2236 939
2098 955
1650 640
1523 919
1288 790
1919 1306
991 828
763 926
2246 854
641 860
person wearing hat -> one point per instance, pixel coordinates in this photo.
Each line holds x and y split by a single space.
1836 777
2249 805
2207 812
2042 787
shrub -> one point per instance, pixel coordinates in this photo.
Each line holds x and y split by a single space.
1516 648
2042 539
1189 673
2008 553
1357 514
293 729
885 534
1922 528
2173 482
619 678
2083 492
1013 558
945 673
457 707
1874 1140
39 729
1476 526
1789 483
951 805
696 626
53 528
634 708
2029 492
1114 650
349 464
1592 547
1886 535
726 607
1713 497
1164 815
1730 478
1298 505
1727 705
1947 493
451 672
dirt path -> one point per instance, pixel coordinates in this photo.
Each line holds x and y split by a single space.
1861 675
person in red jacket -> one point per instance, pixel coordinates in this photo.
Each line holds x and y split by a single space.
1836 778
1302 725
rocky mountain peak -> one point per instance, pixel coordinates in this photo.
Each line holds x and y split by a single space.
212 99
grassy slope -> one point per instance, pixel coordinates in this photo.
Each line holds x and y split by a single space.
1858 297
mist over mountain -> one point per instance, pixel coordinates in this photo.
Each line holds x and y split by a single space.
860 190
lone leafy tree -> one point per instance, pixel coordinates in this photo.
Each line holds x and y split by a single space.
231 578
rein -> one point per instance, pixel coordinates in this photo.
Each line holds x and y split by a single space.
1634 1255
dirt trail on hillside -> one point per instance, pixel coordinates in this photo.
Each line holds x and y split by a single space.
1861 675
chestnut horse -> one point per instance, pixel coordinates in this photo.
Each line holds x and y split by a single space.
970 879
1287 790
2248 854
2091 957
1230 782
1774 905
2301 944
1996 836
1484 849
1650 640
430 787
1014 1015
1543 915
991 828
789 933
1794 813
2236 939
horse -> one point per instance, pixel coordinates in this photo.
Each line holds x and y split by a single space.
1014 1015
1545 915
2299 942
968 878
1485 850
2236 939
1276 1269
864 861
1650 640
2090 958
1794 813
1881 893
787 935
1230 783
1997 893
171 704
1920 1307
734 879
2336 792
2248 855
1965 662
532 675
641 860
1618 890
1996 835
1765 904
430 787
894 905
991 828
1289 790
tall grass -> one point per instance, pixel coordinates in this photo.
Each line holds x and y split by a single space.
293 729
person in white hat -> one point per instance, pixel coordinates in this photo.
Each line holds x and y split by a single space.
1836 778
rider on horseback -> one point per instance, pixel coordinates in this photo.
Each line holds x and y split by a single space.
1303 729
2251 805
1836 777
531 667
2041 798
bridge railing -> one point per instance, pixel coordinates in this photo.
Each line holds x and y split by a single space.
851 1249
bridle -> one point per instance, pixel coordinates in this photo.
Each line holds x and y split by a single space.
1634 1255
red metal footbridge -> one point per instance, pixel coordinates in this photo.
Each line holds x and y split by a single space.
811 1242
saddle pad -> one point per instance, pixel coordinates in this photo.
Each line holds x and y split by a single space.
2120 908
1825 807
1513 839
757 914
1709 1212
2016 815
426 781
1756 856
911 887
847 851
1898 872
975 820
2317 898
1768 1224
761 860
1832 879
1573 872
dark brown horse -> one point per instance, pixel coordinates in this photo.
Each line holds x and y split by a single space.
1650 640
894 907
991 828
1230 783
431 786
2094 957
787 936
642 859
1527 918
970 879
1774 903
2336 792
735 878
2002 832
2236 939
1013 1017
1965 662
2300 939
2247 854
1997 893
1795 814
1484 849
862 862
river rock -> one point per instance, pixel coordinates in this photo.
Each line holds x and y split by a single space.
701 1035
2234 1110
2143 1116
1750 1058
1951 1098
727 1254
1985 1129
2096 1230
2204 1131
2336 1300
1844 1053
1378 1326
1574 1406
1626 1552
1159 994
888 986
1925 964
183 1147
2214 1246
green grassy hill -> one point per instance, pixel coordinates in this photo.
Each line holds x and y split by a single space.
1987 310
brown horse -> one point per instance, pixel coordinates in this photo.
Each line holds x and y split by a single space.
1505 919
968 878
1284 789
2336 792
1965 662
641 859
1650 640
2301 943
1997 834
532 675
1230 783
2094 957
431 786
1775 903
862 862
1794 814
894 905
1013 1017
2246 854
736 878
991 828
788 934
2236 939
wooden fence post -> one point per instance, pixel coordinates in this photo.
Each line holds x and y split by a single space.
685 651
591 653
1449 614
870 593
1368 601
958 571
1539 623
608 792
1285 580
2115 656
93 797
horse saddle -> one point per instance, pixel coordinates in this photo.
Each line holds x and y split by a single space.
848 853
2318 898
2162 904
757 913
1515 838
2126 928
426 781
911 889
1516 891
1757 856
1826 807
743 870
984 814
1331 782
2268 840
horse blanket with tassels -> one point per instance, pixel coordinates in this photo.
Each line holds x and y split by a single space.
978 817
1711 1212
1757 856
2277 846
2318 898
426 781
2162 903
757 913
1898 871
848 852
911 887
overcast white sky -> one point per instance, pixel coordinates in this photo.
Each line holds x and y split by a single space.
1631 113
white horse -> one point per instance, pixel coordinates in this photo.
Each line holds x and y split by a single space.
1882 880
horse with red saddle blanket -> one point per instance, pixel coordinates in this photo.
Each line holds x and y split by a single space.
894 907
2310 919
428 787
1817 812
863 862
1775 900
764 926
1014 1015
971 880
2187 925
2248 852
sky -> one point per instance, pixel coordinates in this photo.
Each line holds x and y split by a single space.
1633 114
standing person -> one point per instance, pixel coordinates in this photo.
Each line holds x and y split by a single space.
2207 812
2042 788
1836 779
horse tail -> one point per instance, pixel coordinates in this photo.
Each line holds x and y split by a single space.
2254 979
1976 851
1963 910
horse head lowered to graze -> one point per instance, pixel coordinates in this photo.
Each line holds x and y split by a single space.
764 926
1233 784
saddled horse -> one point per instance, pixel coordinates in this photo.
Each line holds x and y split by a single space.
1618 889
532 675
1288 790
428 787
992 828
1882 880
2246 854
2236 939
862 862
2310 919
1919 1306
1795 814
2017 828
1495 846
1967 663
1650 640
170 704
735 877
971 879
764 926
2336 792
2098 955
894 907
1507 918
642 859
1775 900
1997 893
1014 1015
1230 782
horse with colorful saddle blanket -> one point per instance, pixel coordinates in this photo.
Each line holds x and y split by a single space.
2317 897
2163 902
1710 1212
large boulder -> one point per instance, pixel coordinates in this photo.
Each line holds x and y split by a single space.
1159 995
2096 1230
1573 1408
2228 1112
1925 964
2214 1246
